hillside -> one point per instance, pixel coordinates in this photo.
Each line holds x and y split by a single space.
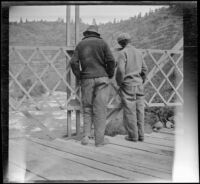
160 29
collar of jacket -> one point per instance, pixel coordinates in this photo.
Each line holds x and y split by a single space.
92 35
128 45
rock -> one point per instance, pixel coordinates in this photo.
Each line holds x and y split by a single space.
169 124
177 118
171 118
158 125
156 130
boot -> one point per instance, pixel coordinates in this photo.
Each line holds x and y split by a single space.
130 139
85 140
106 141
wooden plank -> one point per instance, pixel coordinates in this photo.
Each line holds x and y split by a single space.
68 76
154 142
92 163
42 47
53 167
68 10
107 156
160 150
161 135
15 172
135 173
77 20
145 155
168 131
158 141
17 156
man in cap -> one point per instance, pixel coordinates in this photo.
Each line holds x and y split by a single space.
97 64
130 76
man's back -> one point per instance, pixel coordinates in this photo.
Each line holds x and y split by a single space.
95 58
134 65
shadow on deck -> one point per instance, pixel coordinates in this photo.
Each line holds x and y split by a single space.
38 160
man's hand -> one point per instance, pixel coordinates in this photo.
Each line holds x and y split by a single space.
143 77
116 87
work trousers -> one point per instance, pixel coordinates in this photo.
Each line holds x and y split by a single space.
133 107
95 94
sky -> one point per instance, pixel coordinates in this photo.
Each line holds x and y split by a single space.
101 13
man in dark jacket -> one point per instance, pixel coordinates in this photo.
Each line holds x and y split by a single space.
130 76
93 64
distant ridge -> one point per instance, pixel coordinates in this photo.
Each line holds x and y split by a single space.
160 29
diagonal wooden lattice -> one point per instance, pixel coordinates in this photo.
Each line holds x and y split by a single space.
157 69
21 69
73 91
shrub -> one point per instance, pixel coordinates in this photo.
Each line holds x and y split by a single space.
115 127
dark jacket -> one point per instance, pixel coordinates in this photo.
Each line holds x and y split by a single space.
131 68
92 58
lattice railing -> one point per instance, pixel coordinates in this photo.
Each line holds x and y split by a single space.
46 68
41 78
164 84
31 67
169 86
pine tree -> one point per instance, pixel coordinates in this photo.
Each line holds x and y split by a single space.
21 21
139 15
94 22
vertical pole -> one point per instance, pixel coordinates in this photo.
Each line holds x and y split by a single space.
68 12
77 19
68 78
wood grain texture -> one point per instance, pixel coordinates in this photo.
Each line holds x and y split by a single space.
112 156
54 167
120 160
16 170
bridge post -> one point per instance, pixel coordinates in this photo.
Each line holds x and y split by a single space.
68 76
77 20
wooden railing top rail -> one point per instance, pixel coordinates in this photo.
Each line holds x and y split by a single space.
73 47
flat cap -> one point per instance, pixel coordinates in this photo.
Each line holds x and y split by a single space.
123 36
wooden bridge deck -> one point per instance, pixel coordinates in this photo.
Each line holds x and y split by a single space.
33 159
